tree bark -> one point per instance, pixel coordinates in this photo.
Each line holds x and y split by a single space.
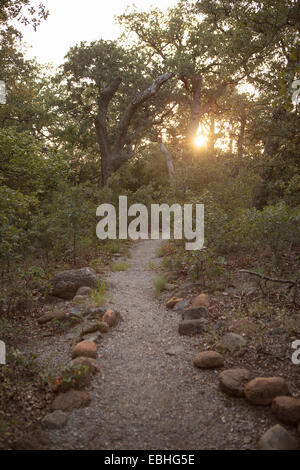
212 136
195 106
111 154
198 108
169 161
240 142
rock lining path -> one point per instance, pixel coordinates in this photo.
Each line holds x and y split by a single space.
145 398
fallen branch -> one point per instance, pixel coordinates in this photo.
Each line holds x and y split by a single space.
267 278
292 283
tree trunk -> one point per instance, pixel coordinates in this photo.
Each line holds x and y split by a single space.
195 107
169 160
198 109
231 136
212 136
105 151
240 142
112 154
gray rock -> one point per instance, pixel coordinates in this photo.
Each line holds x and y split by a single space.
71 400
56 420
219 324
195 313
277 438
233 341
96 311
192 327
84 290
95 337
174 350
180 306
66 283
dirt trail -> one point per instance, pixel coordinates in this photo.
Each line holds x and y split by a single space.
146 398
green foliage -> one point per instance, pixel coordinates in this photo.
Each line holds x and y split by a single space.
112 246
96 264
277 226
17 362
68 226
159 285
75 377
119 267
49 163
99 294
21 286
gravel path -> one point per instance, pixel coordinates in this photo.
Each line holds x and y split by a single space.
145 398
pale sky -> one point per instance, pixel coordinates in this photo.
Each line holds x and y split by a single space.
72 21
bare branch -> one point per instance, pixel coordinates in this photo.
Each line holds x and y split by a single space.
291 282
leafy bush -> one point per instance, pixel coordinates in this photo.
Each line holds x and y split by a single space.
159 285
75 377
278 226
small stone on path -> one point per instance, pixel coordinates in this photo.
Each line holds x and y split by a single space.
174 350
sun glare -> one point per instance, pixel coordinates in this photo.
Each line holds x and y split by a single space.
200 140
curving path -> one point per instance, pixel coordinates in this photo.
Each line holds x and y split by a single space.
147 398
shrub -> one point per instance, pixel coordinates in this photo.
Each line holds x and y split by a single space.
159 285
99 294
120 267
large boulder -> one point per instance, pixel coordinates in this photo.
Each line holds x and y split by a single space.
66 283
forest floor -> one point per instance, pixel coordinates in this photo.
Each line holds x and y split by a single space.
148 394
